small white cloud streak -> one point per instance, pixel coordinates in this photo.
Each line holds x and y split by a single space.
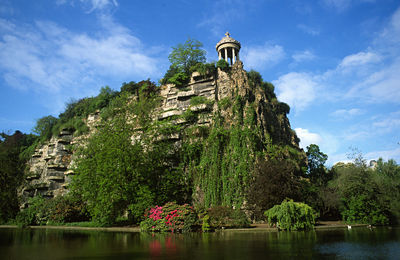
303 56
339 5
308 29
258 57
384 154
347 113
93 5
359 59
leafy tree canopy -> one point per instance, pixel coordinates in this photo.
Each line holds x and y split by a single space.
186 55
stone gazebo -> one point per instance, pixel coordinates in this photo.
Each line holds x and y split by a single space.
228 49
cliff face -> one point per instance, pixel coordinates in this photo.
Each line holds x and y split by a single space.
194 104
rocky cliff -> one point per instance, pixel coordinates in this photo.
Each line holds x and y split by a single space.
194 104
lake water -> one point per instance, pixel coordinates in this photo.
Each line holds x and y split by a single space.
357 243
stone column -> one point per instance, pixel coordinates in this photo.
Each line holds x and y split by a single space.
219 55
226 54
233 56
237 56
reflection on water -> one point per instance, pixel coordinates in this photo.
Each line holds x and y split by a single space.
357 243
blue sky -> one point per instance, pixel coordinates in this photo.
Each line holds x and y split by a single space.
335 62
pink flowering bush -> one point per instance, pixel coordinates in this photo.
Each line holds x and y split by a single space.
169 218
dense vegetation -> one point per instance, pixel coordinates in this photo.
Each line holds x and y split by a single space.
12 165
231 171
353 191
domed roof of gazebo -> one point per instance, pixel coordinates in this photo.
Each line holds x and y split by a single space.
227 39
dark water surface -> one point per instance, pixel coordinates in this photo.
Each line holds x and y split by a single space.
357 243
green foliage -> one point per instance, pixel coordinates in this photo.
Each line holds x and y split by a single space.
35 214
67 209
12 166
364 194
186 55
269 90
291 215
274 180
204 68
179 79
283 108
206 227
197 100
184 59
223 179
76 111
116 173
224 216
189 115
316 160
224 103
44 127
255 78
223 65
360 209
110 172
59 210
169 218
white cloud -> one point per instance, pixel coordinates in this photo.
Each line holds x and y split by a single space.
257 57
47 58
391 34
307 138
342 5
308 29
296 89
92 5
384 154
303 56
339 5
388 123
381 86
347 113
359 59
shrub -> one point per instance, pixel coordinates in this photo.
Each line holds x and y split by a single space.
169 218
204 68
255 78
206 227
269 90
283 108
58 210
179 79
197 100
223 65
223 216
66 209
363 210
291 215
36 213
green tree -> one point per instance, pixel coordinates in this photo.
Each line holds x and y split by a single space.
274 181
110 171
362 200
11 171
186 55
291 215
316 160
125 166
44 127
